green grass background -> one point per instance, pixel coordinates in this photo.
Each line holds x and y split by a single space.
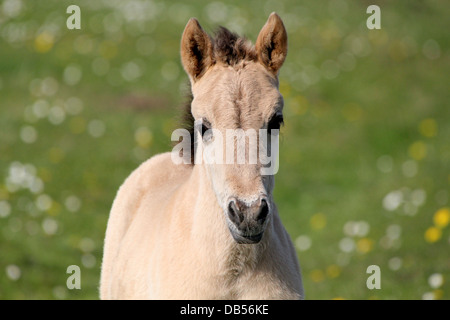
366 123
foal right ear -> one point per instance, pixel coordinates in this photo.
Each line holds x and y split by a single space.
271 45
196 50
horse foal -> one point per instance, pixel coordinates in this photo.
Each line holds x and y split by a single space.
208 230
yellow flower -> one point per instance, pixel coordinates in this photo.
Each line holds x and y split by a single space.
442 217
44 42
418 150
45 174
4 194
438 293
364 245
55 209
317 275
428 127
433 234
318 221
144 137
107 49
333 271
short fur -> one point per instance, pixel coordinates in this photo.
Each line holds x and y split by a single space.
230 49
168 234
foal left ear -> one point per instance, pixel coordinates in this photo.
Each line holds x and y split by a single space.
196 50
271 45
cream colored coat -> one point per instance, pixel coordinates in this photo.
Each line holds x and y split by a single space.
167 239
167 235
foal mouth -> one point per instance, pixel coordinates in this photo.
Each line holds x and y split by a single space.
247 239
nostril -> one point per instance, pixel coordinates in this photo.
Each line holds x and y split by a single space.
234 214
263 211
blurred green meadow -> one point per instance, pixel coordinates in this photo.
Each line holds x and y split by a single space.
364 162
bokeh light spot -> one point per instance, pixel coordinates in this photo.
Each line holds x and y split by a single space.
318 221
5 209
347 245
436 280
143 137
28 134
44 42
72 74
442 217
73 105
395 263
50 226
433 234
317 275
303 243
13 272
72 203
417 150
108 50
428 127
385 163
333 271
96 128
431 49
364 245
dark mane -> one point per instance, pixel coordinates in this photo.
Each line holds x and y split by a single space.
228 48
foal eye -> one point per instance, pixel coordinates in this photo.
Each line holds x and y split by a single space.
205 127
275 122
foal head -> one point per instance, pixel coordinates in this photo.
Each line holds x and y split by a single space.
235 91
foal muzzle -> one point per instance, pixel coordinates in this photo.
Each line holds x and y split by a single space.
247 222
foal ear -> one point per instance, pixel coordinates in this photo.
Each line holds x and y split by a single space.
196 50
271 45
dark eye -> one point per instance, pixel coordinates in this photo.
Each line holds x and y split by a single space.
275 122
206 125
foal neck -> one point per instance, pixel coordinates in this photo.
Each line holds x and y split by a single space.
210 231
